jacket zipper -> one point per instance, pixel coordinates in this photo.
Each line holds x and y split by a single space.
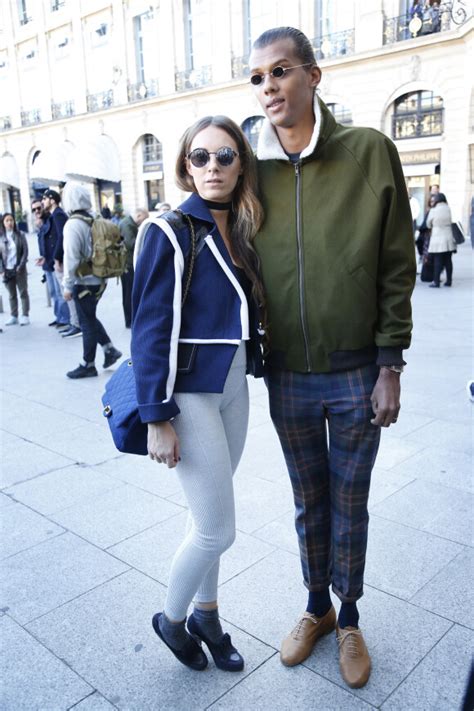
304 325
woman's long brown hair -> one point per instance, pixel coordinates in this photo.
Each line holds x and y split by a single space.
246 215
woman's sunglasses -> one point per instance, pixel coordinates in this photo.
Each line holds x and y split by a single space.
200 157
276 73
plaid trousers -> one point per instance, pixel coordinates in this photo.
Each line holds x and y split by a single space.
330 476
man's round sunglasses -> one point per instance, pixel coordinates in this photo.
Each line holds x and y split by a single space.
200 157
37 209
276 73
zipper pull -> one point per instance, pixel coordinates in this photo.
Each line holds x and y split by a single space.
297 169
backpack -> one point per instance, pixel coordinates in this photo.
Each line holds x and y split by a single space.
109 254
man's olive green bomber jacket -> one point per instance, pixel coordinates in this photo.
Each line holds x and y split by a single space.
336 248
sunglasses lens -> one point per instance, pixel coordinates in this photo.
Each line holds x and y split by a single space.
256 79
199 157
277 72
225 156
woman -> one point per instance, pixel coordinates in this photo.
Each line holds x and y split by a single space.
190 365
13 258
442 243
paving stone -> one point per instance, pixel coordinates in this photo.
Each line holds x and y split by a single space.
90 443
34 421
115 515
450 593
22 528
262 455
439 681
142 473
22 460
34 679
280 533
94 702
408 422
107 637
274 687
398 636
6 501
431 507
39 579
401 560
274 499
441 433
395 450
447 467
385 482
152 551
62 488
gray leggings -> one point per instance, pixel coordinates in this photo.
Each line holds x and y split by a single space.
212 428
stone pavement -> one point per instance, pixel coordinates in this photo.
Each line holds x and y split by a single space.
88 535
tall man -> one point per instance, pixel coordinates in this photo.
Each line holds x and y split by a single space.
129 230
338 265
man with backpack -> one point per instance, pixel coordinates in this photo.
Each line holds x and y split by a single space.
81 282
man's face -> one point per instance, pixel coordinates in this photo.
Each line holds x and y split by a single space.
288 100
139 217
48 203
37 209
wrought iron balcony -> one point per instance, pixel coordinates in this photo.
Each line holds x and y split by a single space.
143 90
5 123
63 109
31 117
25 19
193 78
337 44
57 5
417 124
240 67
101 100
433 19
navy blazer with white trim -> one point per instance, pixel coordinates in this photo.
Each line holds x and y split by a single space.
189 349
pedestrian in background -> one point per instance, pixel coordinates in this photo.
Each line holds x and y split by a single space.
13 258
129 229
442 243
85 290
190 365
162 207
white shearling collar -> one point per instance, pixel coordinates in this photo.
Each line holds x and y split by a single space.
269 146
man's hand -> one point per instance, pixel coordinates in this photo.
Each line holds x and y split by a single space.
67 295
385 398
163 443
39 262
58 266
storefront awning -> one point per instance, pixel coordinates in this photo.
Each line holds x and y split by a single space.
51 163
9 174
98 159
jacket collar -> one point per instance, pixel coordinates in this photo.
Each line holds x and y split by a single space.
196 207
270 148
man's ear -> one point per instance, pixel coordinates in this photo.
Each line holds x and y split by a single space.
315 73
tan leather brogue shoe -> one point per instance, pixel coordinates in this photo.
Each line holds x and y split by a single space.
354 659
300 642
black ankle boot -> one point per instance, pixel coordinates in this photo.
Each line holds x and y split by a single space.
225 656
191 655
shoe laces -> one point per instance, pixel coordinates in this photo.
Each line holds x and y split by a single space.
297 632
350 639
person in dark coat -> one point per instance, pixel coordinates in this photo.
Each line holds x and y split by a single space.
129 229
13 258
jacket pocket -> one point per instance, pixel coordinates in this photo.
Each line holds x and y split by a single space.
186 357
364 281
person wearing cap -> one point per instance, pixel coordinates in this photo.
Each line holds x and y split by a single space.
58 218
338 264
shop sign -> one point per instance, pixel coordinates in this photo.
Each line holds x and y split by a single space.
418 157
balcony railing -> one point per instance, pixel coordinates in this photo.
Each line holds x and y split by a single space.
240 67
417 124
101 100
193 78
57 5
25 19
5 123
337 44
63 109
31 117
445 17
143 90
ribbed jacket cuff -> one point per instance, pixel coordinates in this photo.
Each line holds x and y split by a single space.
158 412
388 355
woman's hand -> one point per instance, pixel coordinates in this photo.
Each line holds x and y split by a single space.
163 443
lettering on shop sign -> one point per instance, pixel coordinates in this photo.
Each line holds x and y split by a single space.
415 157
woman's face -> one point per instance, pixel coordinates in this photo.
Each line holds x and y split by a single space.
8 223
213 180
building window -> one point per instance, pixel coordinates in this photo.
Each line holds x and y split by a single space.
416 115
152 151
259 15
146 48
196 33
341 113
57 5
23 14
252 127
155 193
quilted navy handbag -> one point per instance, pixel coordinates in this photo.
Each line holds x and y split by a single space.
120 397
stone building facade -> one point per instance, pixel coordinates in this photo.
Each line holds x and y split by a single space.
101 90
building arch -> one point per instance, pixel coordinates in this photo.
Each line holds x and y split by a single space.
147 156
403 89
